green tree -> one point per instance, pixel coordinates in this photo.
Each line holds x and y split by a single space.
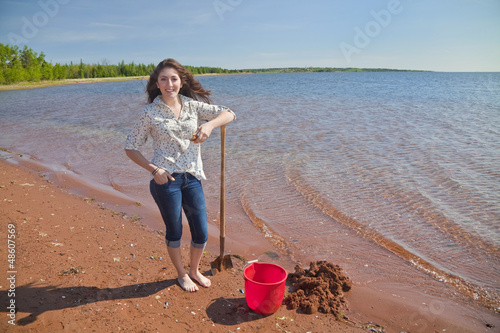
59 72
81 70
15 72
47 71
31 64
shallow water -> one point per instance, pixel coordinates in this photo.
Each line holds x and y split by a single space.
387 173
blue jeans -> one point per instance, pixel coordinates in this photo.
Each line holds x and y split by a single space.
185 193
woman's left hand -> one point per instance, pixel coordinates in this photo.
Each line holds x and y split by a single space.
203 132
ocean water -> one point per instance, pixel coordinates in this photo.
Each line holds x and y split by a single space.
395 176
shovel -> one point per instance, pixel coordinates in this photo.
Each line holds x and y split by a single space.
222 262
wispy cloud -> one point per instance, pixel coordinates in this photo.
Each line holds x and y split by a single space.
201 19
73 36
110 25
274 27
270 55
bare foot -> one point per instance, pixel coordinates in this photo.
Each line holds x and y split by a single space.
187 284
201 279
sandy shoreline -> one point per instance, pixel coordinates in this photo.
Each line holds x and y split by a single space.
53 83
82 266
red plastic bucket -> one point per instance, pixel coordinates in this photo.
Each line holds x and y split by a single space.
264 287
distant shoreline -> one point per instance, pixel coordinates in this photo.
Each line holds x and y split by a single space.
53 83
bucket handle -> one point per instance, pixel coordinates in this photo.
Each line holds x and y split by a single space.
248 264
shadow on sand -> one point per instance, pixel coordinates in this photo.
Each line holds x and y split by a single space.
230 312
37 300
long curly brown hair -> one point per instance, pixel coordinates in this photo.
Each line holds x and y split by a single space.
190 86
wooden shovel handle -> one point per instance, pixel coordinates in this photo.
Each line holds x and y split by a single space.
222 188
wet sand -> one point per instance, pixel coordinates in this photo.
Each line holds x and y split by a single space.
81 265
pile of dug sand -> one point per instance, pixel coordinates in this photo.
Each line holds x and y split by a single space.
320 288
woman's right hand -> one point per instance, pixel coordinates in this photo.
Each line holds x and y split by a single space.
162 177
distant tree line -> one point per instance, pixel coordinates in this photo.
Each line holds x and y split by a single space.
319 70
25 65
210 70
20 65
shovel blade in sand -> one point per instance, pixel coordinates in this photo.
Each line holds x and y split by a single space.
222 262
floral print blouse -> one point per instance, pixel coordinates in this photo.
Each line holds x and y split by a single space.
173 150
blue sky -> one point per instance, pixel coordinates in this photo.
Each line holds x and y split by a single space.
439 35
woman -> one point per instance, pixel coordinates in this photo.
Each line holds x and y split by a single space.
174 120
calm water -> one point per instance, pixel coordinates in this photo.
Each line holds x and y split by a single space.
390 174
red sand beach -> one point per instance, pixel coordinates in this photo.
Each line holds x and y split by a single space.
81 266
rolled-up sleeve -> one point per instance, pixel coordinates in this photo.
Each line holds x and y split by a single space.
209 112
139 134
